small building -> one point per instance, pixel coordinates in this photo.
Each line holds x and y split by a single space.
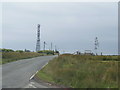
77 53
88 52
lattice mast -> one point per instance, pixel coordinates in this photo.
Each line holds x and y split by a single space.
96 45
38 39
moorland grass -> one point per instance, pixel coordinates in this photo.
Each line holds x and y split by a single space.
14 56
82 71
0 58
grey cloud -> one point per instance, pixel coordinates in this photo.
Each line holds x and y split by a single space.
70 26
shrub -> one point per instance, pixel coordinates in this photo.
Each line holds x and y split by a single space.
46 52
19 51
27 50
6 50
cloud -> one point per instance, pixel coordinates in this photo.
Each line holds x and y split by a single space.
70 26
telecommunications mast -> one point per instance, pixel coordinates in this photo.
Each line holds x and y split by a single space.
38 39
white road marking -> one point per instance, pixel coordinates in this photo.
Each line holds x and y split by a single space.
44 65
32 86
32 76
37 71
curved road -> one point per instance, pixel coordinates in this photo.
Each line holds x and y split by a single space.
17 74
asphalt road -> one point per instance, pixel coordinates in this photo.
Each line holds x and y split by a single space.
0 77
17 74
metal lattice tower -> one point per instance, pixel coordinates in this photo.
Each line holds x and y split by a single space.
38 39
96 45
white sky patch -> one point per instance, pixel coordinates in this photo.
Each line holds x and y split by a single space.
0 24
59 0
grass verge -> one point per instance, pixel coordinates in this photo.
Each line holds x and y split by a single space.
14 56
81 71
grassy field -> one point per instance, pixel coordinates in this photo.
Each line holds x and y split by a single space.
0 58
14 56
81 71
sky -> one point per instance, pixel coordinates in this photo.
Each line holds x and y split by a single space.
70 26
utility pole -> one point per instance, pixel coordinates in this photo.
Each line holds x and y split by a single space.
44 45
55 48
51 46
38 39
96 45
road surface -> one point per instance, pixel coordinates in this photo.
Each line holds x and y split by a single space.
17 74
0 76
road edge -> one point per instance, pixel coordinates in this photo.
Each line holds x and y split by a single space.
37 71
32 77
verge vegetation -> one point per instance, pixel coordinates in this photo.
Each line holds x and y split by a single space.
48 52
14 56
9 55
82 71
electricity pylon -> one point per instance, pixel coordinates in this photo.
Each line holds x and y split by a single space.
96 45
